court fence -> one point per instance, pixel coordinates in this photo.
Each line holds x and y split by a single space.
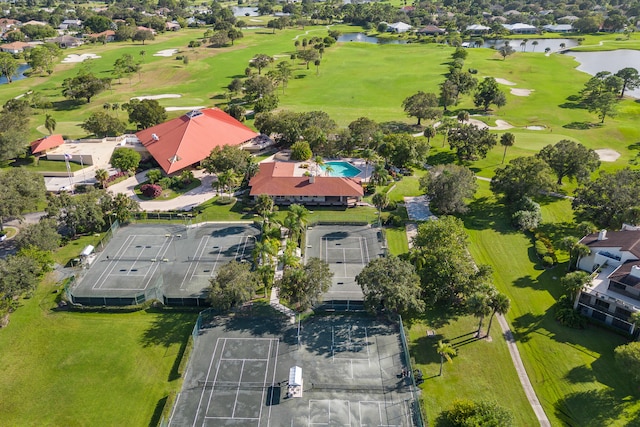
416 405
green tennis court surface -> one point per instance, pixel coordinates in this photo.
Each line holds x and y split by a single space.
238 374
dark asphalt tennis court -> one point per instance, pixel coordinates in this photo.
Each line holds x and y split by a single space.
170 261
347 249
351 372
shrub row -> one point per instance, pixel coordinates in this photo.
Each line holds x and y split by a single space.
115 177
544 249
151 190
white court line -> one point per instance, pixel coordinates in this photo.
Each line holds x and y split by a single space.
198 253
249 360
273 381
107 271
264 382
215 378
195 418
235 403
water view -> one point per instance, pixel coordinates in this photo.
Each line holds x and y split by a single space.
245 11
553 44
612 61
18 76
363 38
343 169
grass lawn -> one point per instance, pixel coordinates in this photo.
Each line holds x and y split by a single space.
572 371
79 369
72 249
44 165
397 240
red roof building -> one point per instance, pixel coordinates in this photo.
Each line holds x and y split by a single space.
46 143
188 139
276 180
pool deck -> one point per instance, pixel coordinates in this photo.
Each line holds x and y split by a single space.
310 166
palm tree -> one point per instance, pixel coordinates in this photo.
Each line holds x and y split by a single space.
429 132
534 44
445 350
562 46
102 176
296 220
547 50
142 54
368 155
380 201
574 282
479 306
115 107
463 116
500 304
319 161
317 64
568 244
327 170
523 45
507 140
581 251
635 319
379 175
50 123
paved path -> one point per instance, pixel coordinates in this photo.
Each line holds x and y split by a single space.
186 201
522 373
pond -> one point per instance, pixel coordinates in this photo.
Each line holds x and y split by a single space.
611 60
553 44
245 11
363 38
18 76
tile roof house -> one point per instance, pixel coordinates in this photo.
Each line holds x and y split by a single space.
559 28
520 28
614 291
278 181
46 143
109 35
15 47
398 27
477 29
431 30
188 139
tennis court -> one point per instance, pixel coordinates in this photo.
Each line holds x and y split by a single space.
347 249
163 261
239 371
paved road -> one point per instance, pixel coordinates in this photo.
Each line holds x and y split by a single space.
186 201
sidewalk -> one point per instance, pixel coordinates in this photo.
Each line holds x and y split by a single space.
186 201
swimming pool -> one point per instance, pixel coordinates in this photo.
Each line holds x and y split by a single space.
343 169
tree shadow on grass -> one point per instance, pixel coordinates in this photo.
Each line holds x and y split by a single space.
441 158
581 125
594 408
581 374
157 412
66 105
485 213
168 329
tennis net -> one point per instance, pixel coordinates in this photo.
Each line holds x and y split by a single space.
224 385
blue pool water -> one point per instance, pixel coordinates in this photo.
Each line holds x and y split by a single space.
343 169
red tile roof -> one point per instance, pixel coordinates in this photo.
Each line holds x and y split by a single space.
275 179
46 143
188 139
106 33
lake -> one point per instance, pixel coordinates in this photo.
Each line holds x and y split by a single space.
245 11
553 44
18 76
363 38
611 60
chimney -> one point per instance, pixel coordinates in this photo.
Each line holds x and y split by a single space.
635 271
312 179
602 235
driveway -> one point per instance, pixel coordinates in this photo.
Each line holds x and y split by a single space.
184 202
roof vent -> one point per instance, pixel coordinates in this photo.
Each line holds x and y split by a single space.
174 159
193 114
312 179
602 235
635 271
155 137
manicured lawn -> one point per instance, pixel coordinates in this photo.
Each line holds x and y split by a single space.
572 371
79 369
72 249
481 370
44 165
397 240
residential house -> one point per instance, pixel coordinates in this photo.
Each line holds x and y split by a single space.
431 30
277 180
15 47
107 35
32 22
520 28
477 29
398 27
188 139
67 41
7 24
171 26
70 24
559 28
151 30
614 292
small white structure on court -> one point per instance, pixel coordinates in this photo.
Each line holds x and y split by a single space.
88 250
87 255
295 382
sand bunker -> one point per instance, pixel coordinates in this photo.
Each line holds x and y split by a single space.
535 127
166 52
197 107
505 82
500 125
521 92
74 58
608 155
163 96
